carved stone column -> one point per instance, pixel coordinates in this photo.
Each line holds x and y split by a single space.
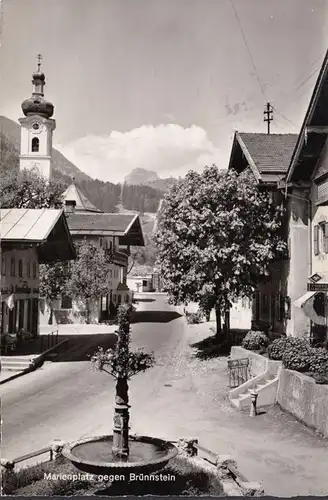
121 419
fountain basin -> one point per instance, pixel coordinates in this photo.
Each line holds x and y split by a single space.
94 455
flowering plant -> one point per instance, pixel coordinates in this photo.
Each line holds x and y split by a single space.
119 362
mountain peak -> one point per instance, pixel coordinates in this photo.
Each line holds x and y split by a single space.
141 176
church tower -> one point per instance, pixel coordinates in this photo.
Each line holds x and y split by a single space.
37 128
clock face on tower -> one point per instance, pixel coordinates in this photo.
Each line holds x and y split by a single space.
36 127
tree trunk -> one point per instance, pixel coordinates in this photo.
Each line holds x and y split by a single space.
87 317
227 323
121 420
218 319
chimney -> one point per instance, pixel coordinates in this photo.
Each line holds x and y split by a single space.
70 206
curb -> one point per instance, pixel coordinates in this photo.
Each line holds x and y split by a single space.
19 374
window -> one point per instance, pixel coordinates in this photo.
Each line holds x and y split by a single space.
284 312
320 238
323 244
12 267
66 302
20 268
110 273
316 240
34 269
104 303
28 269
100 242
3 265
322 191
35 145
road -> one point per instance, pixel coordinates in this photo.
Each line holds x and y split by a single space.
67 400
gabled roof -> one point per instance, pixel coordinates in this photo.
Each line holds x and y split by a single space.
30 225
126 226
313 135
73 193
268 155
44 227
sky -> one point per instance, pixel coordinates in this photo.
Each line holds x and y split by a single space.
161 84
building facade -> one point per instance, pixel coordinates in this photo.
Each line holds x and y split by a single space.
267 157
294 168
306 186
28 237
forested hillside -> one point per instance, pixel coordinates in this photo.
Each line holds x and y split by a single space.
104 195
141 198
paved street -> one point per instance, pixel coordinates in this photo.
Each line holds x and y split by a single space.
68 400
181 396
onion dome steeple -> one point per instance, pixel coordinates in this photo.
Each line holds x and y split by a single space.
36 104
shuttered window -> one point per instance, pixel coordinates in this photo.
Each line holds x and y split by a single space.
322 190
316 240
325 237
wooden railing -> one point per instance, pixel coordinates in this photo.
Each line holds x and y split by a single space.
49 341
34 454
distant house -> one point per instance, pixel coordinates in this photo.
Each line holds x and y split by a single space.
28 237
114 233
268 157
141 283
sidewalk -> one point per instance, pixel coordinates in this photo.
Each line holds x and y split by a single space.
273 448
78 329
71 332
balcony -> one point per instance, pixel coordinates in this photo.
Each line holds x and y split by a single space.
120 258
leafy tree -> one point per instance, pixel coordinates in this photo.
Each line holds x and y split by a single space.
89 276
217 235
27 189
53 279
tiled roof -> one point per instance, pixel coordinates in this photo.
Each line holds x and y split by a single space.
73 193
270 152
100 223
32 225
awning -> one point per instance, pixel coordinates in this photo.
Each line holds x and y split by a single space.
302 300
306 304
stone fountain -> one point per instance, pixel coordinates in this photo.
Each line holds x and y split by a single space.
120 452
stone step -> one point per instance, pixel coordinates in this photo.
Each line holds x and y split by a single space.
15 363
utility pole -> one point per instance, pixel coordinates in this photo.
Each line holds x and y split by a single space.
268 112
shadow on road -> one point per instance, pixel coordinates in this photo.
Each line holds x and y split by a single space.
81 347
154 316
216 345
145 300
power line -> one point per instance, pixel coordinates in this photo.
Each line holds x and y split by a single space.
284 117
320 58
248 49
307 79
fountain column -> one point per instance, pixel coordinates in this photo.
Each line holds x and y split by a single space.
121 410
121 419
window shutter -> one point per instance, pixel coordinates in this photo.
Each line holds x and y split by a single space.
325 237
316 240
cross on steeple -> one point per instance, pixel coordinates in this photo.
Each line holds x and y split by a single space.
39 58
